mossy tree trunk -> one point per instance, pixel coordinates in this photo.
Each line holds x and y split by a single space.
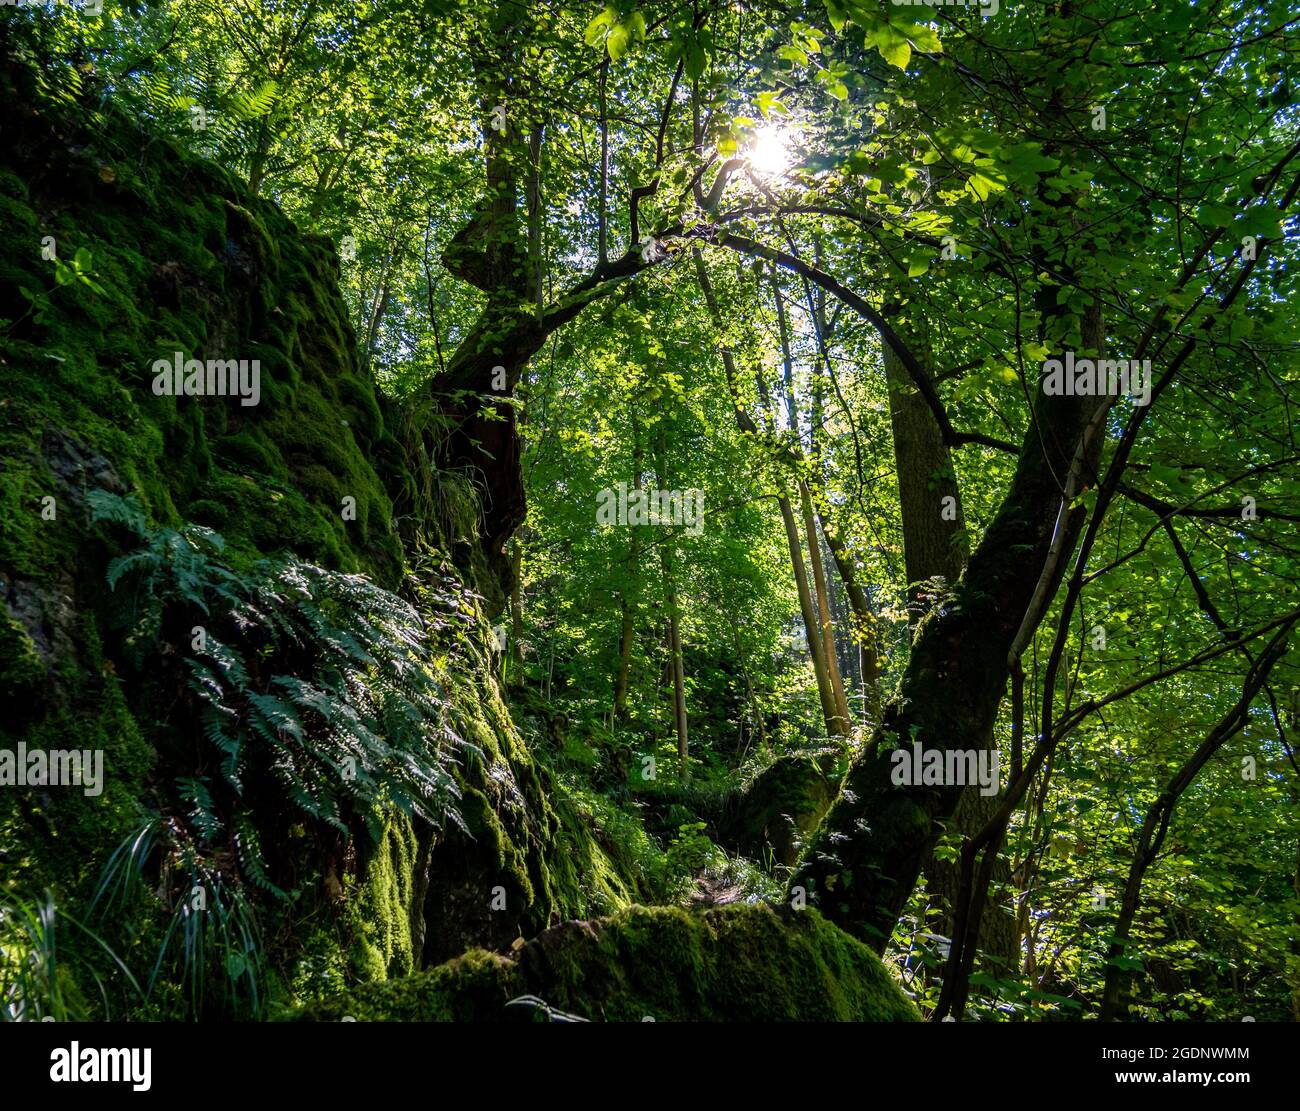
950 691
935 547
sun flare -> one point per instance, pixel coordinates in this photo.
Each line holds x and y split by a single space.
770 152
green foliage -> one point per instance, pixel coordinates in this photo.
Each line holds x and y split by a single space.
43 978
206 955
690 850
322 681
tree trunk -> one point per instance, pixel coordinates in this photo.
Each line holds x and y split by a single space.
830 711
824 662
954 680
864 619
934 532
746 423
667 556
627 631
935 546
823 611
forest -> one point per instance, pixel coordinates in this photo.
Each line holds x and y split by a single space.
692 510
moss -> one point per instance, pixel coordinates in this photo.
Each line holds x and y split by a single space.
254 453
59 837
526 833
20 666
380 913
778 809
738 963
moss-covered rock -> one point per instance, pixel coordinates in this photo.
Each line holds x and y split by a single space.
525 858
184 260
736 963
778 810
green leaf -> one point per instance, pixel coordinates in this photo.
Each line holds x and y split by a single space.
617 42
696 60
1240 328
1215 215
897 53
925 39
599 27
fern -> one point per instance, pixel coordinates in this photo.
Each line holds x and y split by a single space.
126 512
260 102
249 847
320 683
201 816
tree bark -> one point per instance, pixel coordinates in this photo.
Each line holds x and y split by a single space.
825 620
934 530
627 631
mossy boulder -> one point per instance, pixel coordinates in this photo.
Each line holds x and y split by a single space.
778 810
525 858
737 963
183 261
